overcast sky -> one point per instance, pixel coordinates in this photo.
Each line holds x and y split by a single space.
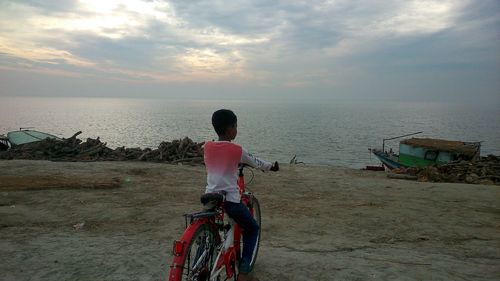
406 50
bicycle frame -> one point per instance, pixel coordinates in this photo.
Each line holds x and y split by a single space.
229 251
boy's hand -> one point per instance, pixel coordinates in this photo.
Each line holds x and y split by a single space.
275 167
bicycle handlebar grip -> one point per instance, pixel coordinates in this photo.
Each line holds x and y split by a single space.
275 167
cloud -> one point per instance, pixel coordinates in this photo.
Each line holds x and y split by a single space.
311 45
111 28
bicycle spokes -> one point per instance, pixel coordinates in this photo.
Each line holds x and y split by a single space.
198 260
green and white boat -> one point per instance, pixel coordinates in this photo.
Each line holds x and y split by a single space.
422 152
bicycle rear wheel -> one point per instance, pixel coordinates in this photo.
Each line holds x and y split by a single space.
199 256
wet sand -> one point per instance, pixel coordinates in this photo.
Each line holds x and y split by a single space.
117 221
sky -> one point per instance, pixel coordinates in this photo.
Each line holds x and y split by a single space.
444 50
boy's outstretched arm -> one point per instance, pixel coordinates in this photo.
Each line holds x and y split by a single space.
255 162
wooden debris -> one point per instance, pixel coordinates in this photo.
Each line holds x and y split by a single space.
483 171
73 149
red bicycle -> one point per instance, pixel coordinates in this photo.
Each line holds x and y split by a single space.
210 247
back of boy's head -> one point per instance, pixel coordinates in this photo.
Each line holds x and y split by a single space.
223 119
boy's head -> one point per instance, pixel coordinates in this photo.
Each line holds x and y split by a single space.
225 124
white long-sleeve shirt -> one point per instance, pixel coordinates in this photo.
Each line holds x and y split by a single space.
221 160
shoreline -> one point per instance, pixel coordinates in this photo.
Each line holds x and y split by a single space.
319 223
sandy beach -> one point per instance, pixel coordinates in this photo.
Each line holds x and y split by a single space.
117 221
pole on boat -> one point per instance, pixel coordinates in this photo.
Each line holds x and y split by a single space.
407 135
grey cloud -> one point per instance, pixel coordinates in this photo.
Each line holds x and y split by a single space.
239 17
448 62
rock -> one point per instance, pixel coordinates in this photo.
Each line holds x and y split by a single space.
79 226
472 178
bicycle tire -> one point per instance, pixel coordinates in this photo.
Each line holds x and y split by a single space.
255 211
202 243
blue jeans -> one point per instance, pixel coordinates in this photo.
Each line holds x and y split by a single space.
241 215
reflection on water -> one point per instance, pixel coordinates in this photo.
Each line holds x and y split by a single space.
321 133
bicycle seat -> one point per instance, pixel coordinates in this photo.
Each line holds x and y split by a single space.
211 200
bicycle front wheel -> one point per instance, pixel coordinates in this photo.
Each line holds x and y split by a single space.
255 211
199 257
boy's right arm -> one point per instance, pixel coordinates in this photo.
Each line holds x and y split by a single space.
255 162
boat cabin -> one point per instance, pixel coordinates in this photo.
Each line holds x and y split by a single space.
421 152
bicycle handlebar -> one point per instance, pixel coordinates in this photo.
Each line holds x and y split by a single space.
241 166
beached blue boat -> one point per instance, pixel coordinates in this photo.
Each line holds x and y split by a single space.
23 136
422 152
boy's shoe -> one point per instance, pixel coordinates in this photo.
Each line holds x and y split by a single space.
244 267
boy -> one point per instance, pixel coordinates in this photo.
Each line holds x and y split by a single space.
221 160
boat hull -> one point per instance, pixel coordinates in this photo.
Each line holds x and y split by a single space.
386 160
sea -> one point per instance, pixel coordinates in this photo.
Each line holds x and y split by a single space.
320 132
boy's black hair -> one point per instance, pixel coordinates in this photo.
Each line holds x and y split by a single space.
223 119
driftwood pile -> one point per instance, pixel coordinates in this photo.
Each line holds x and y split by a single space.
73 149
483 171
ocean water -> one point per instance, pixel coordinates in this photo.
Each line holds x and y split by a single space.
319 132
